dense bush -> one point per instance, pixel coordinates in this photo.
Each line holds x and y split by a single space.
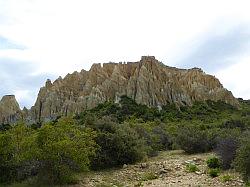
4 127
156 137
126 109
119 144
161 139
242 159
64 149
17 150
214 172
193 140
213 162
234 123
113 134
54 152
226 150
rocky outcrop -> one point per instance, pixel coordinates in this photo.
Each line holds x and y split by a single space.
9 109
148 82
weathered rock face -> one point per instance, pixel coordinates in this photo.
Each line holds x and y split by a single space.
9 109
148 82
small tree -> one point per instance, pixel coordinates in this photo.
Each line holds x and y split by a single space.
64 149
242 160
193 140
226 150
17 150
119 144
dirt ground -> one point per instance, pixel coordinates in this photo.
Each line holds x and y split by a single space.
167 169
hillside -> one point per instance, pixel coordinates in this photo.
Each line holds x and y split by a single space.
148 82
124 141
144 142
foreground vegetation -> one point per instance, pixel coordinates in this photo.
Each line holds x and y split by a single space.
112 135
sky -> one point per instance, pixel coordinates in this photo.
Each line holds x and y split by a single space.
42 39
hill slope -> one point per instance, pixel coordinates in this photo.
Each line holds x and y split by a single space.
147 81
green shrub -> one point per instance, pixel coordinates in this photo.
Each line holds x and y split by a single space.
64 149
17 150
54 152
191 168
226 150
161 140
213 162
155 135
234 123
242 159
119 144
214 172
192 140
148 176
226 178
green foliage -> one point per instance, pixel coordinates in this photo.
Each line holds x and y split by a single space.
214 172
54 152
234 123
213 162
242 160
119 144
226 178
191 168
149 176
226 150
126 109
192 140
17 148
64 149
4 127
155 135
113 134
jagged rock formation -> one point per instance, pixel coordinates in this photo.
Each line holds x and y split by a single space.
148 81
9 109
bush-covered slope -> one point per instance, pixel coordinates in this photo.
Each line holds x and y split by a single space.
113 134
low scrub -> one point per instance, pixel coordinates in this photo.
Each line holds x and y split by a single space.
193 140
54 152
149 176
226 178
191 168
213 162
242 159
118 144
226 150
214 172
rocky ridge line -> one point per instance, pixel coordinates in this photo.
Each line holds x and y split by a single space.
147 81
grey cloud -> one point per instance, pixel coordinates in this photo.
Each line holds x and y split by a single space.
16 75
212 52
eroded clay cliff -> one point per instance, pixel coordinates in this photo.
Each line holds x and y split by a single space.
147 81
9 109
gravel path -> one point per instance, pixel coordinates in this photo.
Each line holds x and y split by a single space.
167 169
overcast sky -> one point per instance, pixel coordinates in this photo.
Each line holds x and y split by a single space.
42 39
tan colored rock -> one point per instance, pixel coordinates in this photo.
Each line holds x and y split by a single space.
9 109
148 81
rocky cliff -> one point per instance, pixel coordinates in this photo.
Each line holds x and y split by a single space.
9 110
147 81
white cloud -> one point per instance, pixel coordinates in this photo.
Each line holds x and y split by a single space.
236 78
25 96
62 36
